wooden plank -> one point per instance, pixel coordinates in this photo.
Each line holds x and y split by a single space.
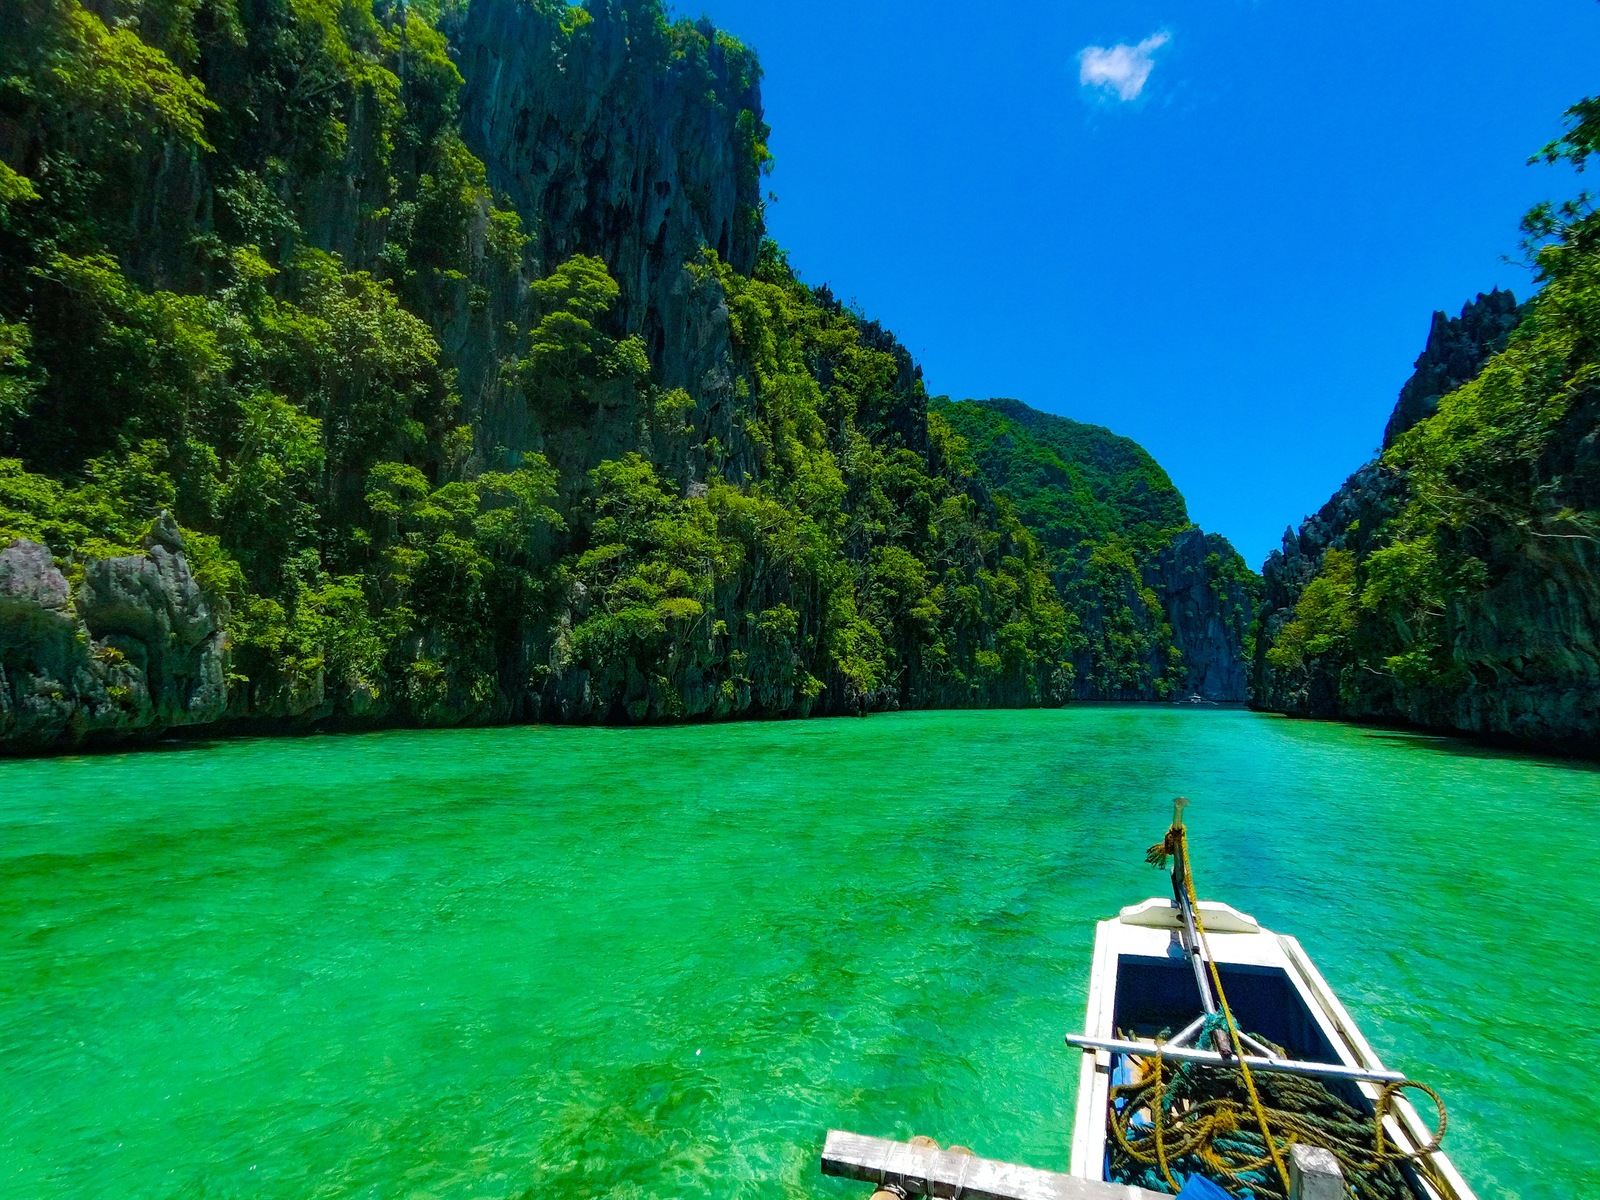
924 1171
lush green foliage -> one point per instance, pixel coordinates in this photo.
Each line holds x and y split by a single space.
570 356
1325 617
1075 485
259 374
1107 515
235 242
1497 478
841 566
1481 582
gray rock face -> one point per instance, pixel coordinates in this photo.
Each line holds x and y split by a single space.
32 592
604 148
42 661
1531 646
1355 517
1525 651
136 646
1456 351
1209 614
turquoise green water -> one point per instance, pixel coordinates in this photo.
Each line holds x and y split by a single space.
631 963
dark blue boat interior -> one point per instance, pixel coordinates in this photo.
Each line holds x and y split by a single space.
1158 996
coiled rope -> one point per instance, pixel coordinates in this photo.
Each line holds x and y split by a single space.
1192 1118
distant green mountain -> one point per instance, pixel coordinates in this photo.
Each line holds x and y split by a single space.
1070 482
1163 608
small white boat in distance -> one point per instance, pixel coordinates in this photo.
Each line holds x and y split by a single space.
1152 979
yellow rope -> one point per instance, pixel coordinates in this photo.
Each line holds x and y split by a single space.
1161 1154
1222 999
1203 1130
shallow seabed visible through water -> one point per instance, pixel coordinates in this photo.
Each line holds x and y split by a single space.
662 962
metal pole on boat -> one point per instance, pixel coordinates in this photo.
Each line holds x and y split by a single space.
1191 936
1265 1062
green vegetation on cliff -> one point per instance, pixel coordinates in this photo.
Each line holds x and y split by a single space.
223 226
1070 482
845 569
1471 598
1164 609
433 450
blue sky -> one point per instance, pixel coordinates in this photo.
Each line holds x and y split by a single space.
1227 244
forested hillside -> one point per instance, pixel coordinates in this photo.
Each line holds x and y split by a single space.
1165 609
1455 582
451 342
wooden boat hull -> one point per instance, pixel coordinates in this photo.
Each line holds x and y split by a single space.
1142 984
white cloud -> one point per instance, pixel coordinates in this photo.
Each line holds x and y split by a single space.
1121 69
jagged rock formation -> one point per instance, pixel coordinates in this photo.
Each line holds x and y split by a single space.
641 150
135 647
1453 584
1353 520
605 148
1356 518
459 353
1456 350
1209 602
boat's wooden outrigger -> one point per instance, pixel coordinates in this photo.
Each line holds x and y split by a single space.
905 1169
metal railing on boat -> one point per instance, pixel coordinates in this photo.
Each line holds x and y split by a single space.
1284 1066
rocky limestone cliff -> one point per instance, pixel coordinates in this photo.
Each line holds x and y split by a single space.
1453 585
1355 517
1209 611
455 349
134 646
1456 350
1531 648
642 150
